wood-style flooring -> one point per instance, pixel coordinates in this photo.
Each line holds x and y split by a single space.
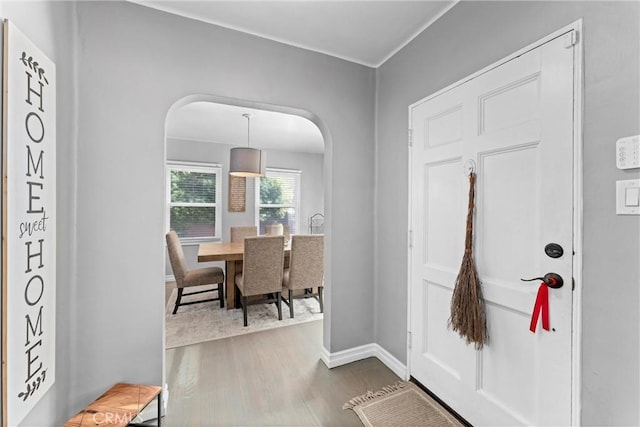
268 378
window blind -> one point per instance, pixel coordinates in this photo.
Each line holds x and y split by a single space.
278 199
193 200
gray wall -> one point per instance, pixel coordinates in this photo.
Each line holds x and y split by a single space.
134 63
125 66
469 37
51 27
311 189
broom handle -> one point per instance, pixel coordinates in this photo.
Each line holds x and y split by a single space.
469 239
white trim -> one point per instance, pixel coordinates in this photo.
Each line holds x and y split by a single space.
498 63
163 7
409 239
270 169
399 368
409 243
368 63
343 357
578 66
169 278
578 198
204 165
333 360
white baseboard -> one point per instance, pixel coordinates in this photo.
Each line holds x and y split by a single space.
169 278
399 368
343 357
354 354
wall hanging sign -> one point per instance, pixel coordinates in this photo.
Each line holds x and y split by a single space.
237 193
28 225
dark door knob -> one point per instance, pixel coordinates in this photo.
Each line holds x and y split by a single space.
552 280
553 250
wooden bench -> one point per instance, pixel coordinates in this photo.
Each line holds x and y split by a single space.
117 407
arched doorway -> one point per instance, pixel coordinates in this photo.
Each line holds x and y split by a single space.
203 128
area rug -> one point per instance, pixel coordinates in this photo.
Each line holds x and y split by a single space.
400 404
197 323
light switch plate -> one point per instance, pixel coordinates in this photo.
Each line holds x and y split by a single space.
627 193
628 152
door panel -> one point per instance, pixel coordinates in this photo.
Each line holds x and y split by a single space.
442 348
442 194
510 106
507 175
444 127
515 122
508 362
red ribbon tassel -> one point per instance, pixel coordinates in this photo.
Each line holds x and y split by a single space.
542 305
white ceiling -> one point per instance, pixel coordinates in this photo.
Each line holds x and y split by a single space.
221 123
367 32
363 31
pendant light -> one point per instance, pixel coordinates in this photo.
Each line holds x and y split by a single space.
247 161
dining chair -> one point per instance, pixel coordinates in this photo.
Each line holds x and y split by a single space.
239 233
278 229
186 278
274 229
287 234
262 272
306 270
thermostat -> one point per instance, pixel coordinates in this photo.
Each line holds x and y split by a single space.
628 153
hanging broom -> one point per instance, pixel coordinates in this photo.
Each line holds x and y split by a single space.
467 305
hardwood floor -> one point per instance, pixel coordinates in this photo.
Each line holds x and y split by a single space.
168 288
269 378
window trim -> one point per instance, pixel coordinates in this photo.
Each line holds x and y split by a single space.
296 206
211 168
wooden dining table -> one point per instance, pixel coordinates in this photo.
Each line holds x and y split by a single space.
231 253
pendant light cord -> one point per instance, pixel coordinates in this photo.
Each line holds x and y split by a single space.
248 116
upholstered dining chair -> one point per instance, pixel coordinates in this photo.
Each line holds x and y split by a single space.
239 233
277 229
186 278
306 269
262 272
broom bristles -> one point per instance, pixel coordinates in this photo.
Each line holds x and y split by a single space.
467 305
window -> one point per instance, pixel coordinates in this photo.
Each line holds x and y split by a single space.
193 196
278 199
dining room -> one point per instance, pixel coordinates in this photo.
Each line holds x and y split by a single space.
204 203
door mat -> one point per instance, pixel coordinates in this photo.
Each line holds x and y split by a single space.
400 404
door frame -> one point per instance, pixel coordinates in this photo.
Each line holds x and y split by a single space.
578 111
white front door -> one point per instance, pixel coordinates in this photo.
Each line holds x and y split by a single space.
515 122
